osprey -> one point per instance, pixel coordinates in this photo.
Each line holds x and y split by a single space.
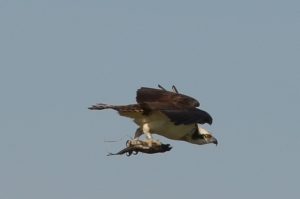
169 114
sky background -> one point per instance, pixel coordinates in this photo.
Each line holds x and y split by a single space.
241 59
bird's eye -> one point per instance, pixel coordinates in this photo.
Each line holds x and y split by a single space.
207 135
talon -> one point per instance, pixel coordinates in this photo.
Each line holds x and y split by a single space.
135 142
150 143
129 143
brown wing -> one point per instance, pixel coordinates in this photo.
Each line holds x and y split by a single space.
188 116
179 108
156 99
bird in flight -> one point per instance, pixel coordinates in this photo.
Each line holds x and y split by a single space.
166 113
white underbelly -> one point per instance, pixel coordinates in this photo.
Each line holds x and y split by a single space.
159 124
175 132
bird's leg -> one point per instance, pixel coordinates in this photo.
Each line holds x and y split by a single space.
175 89
150 141
135 140
146 130
138 133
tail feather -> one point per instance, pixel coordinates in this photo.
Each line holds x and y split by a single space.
126 108
100 106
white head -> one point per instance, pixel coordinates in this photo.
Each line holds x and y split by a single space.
202 136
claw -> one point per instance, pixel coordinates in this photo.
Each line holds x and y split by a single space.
128 142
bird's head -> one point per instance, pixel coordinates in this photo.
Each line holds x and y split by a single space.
202 136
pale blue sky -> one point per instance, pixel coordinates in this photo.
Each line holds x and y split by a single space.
241 59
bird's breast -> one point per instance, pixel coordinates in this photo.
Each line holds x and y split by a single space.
159 124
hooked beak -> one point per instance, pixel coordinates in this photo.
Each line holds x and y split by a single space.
215 141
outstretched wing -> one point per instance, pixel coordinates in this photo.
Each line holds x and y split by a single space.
179 108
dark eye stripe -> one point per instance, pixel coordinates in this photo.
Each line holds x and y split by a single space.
196 135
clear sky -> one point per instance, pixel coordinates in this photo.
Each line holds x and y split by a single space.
241 59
